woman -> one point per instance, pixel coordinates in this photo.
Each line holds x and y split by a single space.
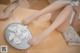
61 22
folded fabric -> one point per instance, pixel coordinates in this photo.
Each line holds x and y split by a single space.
18 35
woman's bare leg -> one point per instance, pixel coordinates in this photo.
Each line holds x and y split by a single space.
76 21
51 8
58 21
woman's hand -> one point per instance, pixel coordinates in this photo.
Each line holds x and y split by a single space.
7 12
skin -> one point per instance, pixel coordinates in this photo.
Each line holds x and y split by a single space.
58 21
24 3
57 5
76 22
7 12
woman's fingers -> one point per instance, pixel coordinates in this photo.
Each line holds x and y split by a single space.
51 8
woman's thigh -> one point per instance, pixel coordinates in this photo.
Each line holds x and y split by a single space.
64 25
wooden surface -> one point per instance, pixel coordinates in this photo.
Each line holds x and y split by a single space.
54 43
4 1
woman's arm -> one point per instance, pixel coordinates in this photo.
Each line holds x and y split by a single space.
8 11
58 21
51 8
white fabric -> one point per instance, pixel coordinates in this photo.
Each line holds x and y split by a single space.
17 34
75 3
